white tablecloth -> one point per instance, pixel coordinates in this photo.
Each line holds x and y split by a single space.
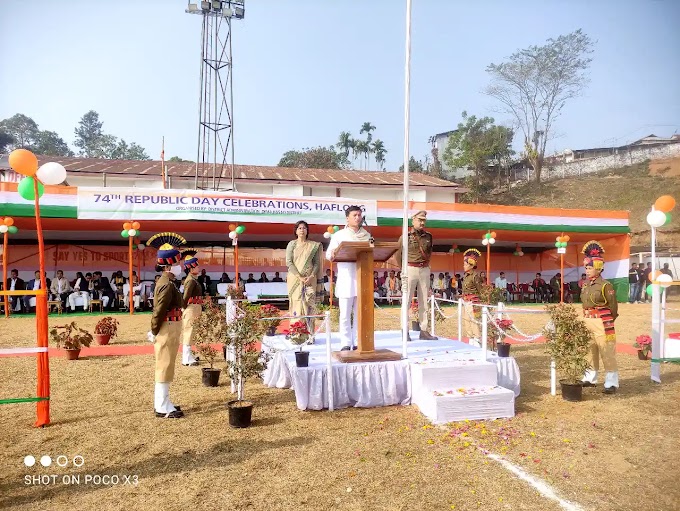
271 289
368 384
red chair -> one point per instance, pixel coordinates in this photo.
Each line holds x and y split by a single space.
514 293
527 292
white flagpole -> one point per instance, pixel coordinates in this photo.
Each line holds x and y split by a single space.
404 228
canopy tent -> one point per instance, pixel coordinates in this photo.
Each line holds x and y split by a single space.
71 220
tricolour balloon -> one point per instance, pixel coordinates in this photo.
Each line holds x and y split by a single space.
141 246
232 227
492 241
26 189
124 234
326 234
51 173
13 229
136 225
8 221
127 226
656 218
485 242
336 228
233 235
23 161
664 203
567 238
664 280
132 232
669 218
3 228
240 229
493 234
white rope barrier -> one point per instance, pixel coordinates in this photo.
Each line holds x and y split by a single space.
485 331
329 362
22 351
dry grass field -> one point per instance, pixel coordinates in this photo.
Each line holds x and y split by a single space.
605 453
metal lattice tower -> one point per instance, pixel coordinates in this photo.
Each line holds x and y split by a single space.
215 149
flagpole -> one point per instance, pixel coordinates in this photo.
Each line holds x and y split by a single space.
404 227
163 162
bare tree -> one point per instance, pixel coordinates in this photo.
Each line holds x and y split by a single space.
535 84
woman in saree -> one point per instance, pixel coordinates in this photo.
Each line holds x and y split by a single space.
305 273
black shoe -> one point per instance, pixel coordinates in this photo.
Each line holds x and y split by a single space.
609 390
345 348
192 364
427 336
177 414
588 384
407 335
354 348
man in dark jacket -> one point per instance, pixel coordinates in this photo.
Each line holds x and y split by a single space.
14 283
34 285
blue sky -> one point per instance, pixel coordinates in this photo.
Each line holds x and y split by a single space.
305 70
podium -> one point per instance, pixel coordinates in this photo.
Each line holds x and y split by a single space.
365 254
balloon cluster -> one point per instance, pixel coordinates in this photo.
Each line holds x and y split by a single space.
454 249
235 230
661 212
561 241
518 251
130 230
7 225
25 162
489 238
330 231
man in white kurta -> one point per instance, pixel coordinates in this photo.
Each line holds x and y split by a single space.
346 285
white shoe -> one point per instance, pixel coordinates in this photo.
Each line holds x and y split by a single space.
161 400
188 358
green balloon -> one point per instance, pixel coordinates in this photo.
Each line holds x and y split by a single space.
668 218
488 235
138 233
650 288
240 229
515 253
564 244
336 228
557 244
124 234
26 189
13 229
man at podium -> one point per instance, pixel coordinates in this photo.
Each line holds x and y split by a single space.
346 285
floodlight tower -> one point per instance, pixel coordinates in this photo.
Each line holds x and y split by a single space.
215 149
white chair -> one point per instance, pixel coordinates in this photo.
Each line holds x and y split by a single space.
126 295
222 292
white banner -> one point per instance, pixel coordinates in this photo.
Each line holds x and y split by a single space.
138 204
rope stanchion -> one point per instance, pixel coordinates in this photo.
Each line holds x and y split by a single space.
329 362
460 319
553 379
485 331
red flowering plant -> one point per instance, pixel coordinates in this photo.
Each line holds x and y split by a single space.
270 311
298 333
502 325
643 343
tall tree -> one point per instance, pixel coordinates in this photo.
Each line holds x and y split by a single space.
380 152
344 143
314 158
366 148
123 151
435 168
534 84
22 129
90 137
6 140
361 147
49 143
179 160
413 166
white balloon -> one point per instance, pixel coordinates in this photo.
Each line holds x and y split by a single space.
233 235
656 218
664 280
521 254
452 250
51 173
492 241
485 242
3 229
141 246
327 235
132 233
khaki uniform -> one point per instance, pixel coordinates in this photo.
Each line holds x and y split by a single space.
600 309
166 326
418 272
191 301
472 288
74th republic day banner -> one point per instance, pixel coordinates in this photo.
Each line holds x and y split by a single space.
139 204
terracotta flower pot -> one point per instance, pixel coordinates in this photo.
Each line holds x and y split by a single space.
642 355
72 354
102 339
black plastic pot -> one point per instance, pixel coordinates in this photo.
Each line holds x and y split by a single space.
302 358
503 349
240 413
572 391
271 331
211 377
415 326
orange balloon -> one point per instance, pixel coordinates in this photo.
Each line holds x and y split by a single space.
127 226
493 234
664 203
8 221
135 225
232 227
653 277
23 161
567 238
330 229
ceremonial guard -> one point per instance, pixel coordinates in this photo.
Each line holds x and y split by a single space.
472 289
192 302
166 326
600 310
417 275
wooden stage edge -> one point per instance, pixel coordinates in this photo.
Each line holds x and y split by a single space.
366 356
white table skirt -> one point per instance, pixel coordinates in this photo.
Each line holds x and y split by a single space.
367 384
257 289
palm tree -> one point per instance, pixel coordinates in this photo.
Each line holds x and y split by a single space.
361 147
367 127
380 152
345 143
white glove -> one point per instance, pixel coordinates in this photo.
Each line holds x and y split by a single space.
150 337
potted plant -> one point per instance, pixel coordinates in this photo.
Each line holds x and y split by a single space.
270 311
299 334
105 329
72 338
502 325
242 334
568 343
643 343
209 327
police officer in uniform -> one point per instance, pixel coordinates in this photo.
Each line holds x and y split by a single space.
166 321
192 301
417 275
472 288
600 310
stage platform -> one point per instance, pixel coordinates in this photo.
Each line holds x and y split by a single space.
447 379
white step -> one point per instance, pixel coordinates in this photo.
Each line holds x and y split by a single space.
473 403
453 374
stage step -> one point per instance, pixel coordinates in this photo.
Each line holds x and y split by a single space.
453 373
473 402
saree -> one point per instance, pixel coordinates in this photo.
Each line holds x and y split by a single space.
304 260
